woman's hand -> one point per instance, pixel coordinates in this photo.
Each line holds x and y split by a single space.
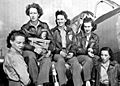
48 54
62 53
70 55
90 52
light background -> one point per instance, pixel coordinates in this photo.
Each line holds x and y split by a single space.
12 16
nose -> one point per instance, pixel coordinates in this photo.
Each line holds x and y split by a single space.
103 57
32 16
22 44
86 28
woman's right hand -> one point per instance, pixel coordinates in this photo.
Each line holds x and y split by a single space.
62 53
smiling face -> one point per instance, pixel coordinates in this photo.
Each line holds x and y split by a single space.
33 14
61 20
18 43
105 56
88 27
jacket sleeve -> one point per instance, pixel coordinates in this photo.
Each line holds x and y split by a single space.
45 25
95 45
21 69
27 45
57 46
51 47
24 30
72 48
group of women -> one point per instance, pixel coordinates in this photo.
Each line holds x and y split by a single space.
74 44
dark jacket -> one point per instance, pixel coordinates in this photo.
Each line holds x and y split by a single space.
58 43
92 43
30 31
113 74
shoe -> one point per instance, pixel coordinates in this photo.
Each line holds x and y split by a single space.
88 83
63 85
39 85
46 84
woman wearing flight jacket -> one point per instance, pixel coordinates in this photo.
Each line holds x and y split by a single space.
107 71
87 47
62 51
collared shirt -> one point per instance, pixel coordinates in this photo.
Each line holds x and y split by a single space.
103 72
87 40
63 36
35 25
15 67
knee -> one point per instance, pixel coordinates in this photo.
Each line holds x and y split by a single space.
73 61
76 66
88 59
61 60
47 60
58 58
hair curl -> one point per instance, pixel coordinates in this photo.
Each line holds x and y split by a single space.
34 5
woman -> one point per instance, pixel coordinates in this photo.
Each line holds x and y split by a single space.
87 47
62 52
33 29
107 71
14 65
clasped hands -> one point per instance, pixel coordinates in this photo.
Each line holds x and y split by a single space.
66 55
90 52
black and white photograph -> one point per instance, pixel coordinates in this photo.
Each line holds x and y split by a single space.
59 42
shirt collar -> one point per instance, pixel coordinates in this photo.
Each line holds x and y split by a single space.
106 65
35 25
15 50
62 28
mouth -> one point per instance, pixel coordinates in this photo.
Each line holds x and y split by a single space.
20 47
33 18
87 30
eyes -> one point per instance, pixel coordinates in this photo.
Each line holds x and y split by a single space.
20 42
33 12
104 55
87 26
60 19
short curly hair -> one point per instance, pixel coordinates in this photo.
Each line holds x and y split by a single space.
12 36
34 5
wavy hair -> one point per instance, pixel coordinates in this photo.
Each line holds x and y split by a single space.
34 5
61 12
